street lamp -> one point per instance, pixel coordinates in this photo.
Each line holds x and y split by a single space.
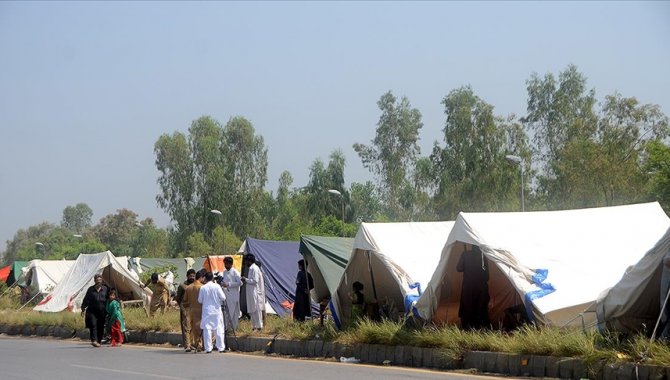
217 212
335 192
40 247
78 236
516 160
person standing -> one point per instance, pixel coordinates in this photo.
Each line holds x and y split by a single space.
115 322
211 298
161 293
194 312
231 285
302 308
94 308
473 309
184 317
254 293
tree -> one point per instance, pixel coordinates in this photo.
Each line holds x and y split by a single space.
117 232
472 173
365 203
319 202
77 218
658 166
393 152
214 167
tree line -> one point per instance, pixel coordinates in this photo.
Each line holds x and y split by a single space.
574 151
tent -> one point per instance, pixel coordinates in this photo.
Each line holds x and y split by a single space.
280 268
70 291
42 276
634 303
15 272
4 273
214 264
326 259
140 265
550 265
393 261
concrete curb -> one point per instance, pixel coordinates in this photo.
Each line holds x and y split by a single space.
432 358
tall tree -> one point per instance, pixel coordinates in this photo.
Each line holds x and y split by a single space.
117 231
77 218
471 170
214 167
393 152
320 202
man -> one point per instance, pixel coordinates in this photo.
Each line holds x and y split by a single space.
473 310
255 293
161 293
211 298
231 285
302 308
194 311
184 317
94 307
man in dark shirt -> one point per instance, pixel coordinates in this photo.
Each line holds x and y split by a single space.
94 307
302 307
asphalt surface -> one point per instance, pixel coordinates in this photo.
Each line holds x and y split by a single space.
46 358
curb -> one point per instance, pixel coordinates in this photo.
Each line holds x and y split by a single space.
421 357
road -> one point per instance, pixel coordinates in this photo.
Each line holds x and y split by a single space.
46 358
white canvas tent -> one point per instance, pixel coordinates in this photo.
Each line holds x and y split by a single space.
70 291
44 275
396 256
584 252
634 303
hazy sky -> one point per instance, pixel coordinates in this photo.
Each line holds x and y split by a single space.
86 88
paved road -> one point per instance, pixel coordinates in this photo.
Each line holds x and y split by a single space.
45 358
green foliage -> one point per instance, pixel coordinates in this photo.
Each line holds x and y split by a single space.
146 275
393 152
658 167
77 218
197 246
118 231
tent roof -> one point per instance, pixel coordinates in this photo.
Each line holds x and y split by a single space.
180 263
4 273
45 274
70 291
414 246
279 266
585 251
327 257
15 272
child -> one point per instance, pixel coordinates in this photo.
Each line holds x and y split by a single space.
115 323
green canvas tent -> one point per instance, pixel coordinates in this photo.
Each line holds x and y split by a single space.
15 272
326 258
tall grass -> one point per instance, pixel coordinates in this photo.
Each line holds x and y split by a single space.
451 341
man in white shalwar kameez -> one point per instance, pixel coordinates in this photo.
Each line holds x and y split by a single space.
254 293
212 298
231 287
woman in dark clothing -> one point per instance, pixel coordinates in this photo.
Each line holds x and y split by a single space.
94 306
302 307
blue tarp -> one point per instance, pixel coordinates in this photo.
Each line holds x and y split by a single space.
280 268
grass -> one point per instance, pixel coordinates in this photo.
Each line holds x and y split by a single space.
452 342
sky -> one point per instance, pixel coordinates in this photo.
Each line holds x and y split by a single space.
86 88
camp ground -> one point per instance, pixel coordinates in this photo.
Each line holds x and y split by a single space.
634 303
553 264
393 261
326 258
279 265
70 291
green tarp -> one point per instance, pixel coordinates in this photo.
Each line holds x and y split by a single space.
326 258
147 264
15 272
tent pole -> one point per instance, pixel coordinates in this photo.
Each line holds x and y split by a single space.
658 321
29 301
372 277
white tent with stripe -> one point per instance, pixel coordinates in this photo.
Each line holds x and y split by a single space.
552 264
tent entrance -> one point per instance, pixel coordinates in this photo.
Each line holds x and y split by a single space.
506 309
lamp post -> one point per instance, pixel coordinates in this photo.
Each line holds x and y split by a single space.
217 212
516 160
40 247
335 192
